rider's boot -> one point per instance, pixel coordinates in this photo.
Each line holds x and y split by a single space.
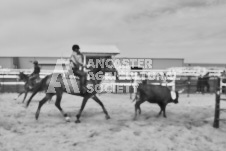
82 86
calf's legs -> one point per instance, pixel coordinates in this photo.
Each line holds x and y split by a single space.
137 107
162 109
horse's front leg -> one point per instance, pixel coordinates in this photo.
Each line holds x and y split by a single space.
57 104
25 95
85 99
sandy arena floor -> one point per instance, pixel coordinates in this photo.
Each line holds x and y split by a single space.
188 126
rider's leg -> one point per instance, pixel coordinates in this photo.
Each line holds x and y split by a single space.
31 81
82 76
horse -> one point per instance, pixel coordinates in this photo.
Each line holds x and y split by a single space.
46 83
27 86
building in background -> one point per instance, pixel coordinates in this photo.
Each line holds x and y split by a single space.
207 65
48 59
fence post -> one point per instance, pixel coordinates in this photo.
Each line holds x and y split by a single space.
217 110
217 105
131 90
17 86
3 86
188 86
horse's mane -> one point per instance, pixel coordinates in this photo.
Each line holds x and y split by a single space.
23 76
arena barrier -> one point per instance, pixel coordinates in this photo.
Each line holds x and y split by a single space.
216 122
129 79
175 75
222 85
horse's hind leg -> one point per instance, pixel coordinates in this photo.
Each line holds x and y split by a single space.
25 95
57 104
43 101
95 98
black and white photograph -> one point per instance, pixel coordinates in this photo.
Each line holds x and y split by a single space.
112 75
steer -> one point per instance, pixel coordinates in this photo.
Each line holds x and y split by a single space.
155 94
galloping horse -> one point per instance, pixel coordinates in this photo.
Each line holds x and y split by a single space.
27 87
46 83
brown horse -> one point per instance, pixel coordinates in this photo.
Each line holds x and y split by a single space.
27 87
61 87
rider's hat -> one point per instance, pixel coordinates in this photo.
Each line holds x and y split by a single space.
35 62
75 47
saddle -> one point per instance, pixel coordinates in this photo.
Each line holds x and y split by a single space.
33 82
37 80
74 83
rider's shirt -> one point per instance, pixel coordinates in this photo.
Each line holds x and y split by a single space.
76 59
36 70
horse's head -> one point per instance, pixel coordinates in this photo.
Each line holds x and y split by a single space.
22 77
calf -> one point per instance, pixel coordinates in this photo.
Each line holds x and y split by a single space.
155 94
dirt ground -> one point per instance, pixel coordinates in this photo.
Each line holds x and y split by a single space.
188 126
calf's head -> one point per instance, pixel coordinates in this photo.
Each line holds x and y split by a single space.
174 96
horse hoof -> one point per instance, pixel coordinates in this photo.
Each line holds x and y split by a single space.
77 121
107 117
67 119
36 117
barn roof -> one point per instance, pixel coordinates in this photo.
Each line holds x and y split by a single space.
62 52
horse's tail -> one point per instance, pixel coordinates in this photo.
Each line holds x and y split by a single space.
39 87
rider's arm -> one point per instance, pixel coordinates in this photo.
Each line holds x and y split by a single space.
77 59
80 60
33 72
36 70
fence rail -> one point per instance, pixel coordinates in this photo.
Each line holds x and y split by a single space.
7 75
152 71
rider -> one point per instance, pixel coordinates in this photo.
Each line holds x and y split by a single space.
35 73
76 65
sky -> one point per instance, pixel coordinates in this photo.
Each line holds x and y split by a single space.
190 29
